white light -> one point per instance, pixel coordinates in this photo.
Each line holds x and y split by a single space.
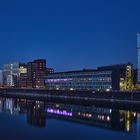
71 89
107 90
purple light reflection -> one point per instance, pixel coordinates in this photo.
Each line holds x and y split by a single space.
59 112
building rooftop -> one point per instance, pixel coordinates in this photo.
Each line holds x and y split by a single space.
104 68
116 66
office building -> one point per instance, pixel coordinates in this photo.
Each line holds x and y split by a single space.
36 73
23 76
11 74
114 77
122 76
79 80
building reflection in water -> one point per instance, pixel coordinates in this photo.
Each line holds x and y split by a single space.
9 106
37 112
138 126
101 117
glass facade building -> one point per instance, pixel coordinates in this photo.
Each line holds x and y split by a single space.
138 47
11 74
80 80
105 78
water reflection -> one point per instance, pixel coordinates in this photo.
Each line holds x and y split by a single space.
138 126
118 120
37 112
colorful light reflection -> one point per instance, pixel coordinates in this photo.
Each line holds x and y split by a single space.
59 112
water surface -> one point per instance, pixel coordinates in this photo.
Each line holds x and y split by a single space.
36 120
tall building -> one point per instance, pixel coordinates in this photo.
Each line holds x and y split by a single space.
36 73
129 77
23 76
138 47
10 74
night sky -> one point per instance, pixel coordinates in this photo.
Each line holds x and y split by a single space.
70 34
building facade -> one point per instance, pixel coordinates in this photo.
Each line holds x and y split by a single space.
123 76
138 47
36 73
11 74
102 79
23 76
80 80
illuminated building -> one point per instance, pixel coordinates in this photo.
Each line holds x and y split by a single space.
138 47
36 72
128 81
80 80
11 74
23 76
30 75
129 77
122 76
23 68
102 79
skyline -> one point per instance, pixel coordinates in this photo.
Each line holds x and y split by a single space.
69 35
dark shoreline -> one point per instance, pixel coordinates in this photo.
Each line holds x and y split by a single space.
79 97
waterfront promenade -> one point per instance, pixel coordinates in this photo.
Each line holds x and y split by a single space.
80 97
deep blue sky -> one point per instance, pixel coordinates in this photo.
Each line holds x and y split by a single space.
70 34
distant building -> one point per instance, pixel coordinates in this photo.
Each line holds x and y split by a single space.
49 70
23 76
11 74
135 78
114 77
138 47
122 76
23 80
36 73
